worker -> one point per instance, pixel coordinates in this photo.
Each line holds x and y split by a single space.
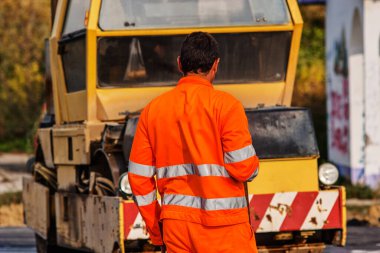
193 143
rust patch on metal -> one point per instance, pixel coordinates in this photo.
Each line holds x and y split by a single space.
145 230
320 207
313 220
282 208
256 217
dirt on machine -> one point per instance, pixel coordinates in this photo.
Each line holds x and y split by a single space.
107 59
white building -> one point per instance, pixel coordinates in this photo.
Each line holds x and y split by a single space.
353 88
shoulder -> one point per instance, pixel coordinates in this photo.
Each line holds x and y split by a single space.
225 96
157 103
225 101
159 99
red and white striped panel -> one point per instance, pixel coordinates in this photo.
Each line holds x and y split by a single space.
288 211
134 225
293 211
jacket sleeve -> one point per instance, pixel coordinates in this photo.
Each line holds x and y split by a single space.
240 157
141 172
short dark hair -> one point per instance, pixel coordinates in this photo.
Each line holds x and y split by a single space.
199 52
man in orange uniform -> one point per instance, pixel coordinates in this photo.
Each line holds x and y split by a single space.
195 140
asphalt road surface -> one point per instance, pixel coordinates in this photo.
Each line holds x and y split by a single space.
359 240
20 240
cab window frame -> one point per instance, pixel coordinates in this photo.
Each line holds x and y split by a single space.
256 23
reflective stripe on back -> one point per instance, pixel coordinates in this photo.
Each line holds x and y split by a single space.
204 204
144 200
203 170
239 155
141 169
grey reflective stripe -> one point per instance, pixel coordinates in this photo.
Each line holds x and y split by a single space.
141 169
144 200
254 174
202 170
175 171
239 155
212 170
204 204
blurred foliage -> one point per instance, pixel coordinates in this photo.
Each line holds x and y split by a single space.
309 90
10 197
24 144
24 24
357 191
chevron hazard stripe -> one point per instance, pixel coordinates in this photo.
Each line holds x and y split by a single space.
134 226
276 212
287 211
294 211
320 211
305 200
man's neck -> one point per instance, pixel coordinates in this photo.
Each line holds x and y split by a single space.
207 76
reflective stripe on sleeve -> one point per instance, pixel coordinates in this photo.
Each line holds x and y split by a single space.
202 170
141 169
239 155
254 174
204 204
144 200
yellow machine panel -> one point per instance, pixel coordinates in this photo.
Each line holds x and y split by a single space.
294 175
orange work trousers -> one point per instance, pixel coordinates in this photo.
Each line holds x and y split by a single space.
183 236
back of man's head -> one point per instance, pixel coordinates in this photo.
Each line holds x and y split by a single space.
198 53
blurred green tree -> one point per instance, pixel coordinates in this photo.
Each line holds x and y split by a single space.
310 88
23 24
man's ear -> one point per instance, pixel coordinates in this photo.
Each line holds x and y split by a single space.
179 64
215 65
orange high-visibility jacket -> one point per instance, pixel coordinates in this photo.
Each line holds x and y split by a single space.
195 140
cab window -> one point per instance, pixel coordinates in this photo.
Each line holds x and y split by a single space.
73 55
151 60
75 16
137 14
72 46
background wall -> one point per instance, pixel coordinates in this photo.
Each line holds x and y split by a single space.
353 88
345 106
372 91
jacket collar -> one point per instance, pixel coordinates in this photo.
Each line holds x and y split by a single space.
194 80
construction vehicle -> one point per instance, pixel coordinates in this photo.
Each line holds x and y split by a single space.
110 58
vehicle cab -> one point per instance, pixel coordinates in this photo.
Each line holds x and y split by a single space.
118 55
